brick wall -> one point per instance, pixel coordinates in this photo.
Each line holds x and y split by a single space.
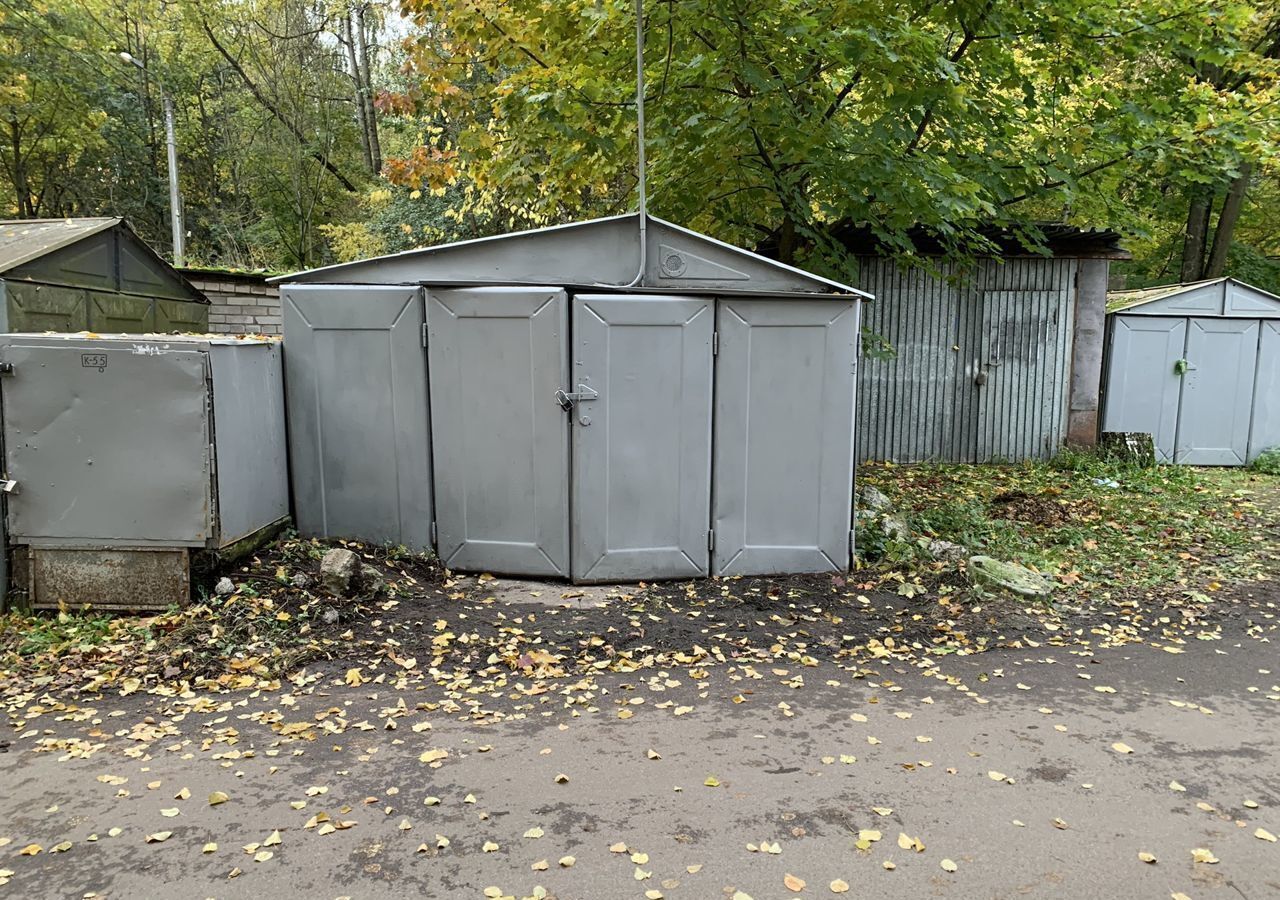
239 303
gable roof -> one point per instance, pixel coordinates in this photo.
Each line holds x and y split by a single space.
22 240
70 251
596 253
1224 296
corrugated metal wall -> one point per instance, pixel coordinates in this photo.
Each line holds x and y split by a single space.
1007 324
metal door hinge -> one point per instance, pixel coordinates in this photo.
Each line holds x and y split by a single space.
6 368
424 335
433 533
715 343
711 540
852 542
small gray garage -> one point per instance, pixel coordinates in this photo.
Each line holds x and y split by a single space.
1197 366
91 274
597 401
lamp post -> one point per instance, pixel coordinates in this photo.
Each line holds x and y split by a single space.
175 198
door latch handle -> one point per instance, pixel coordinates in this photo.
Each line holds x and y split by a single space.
8 486
583 394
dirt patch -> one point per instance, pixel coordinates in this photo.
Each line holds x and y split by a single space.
1043 510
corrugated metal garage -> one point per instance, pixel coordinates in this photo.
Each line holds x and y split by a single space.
609 400
71 275
996 360
1197 366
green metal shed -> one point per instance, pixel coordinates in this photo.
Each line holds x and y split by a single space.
92 274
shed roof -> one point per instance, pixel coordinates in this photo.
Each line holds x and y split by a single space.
1224 296
1063 241
22 240
597 253
70 251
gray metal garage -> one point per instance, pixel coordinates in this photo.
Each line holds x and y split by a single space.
1197 366
95 274
607 400
996 359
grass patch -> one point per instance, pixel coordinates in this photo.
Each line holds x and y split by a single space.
1095 524
31 635
1268 462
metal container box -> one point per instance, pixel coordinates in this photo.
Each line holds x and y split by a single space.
124 454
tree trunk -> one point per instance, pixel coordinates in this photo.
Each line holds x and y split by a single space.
787 241
1227 219
346 36
21 192
1193 242
365 83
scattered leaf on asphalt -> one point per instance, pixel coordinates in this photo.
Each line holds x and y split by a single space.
948 865
793 883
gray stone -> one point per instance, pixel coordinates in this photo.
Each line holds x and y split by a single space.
225 587
990 572
896 528
329 615
873 498
371 580
946 550
300 580
340 572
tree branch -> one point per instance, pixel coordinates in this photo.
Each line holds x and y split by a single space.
271 108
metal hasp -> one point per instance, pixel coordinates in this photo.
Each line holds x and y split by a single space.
562 423
133 451
1196 366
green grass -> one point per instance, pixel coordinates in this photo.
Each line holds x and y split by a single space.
1268 462
1163 526
26 636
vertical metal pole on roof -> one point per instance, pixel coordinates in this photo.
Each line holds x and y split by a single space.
640 161
175 198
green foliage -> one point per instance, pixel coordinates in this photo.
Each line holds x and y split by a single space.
1099 526
779 122
1268 462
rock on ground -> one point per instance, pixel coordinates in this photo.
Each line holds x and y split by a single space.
340 572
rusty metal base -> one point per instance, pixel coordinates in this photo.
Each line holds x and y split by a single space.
108 579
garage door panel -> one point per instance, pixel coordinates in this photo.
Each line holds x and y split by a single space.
642 445
497 356
1143 386
1217 392
783 436
359 445
1266 411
